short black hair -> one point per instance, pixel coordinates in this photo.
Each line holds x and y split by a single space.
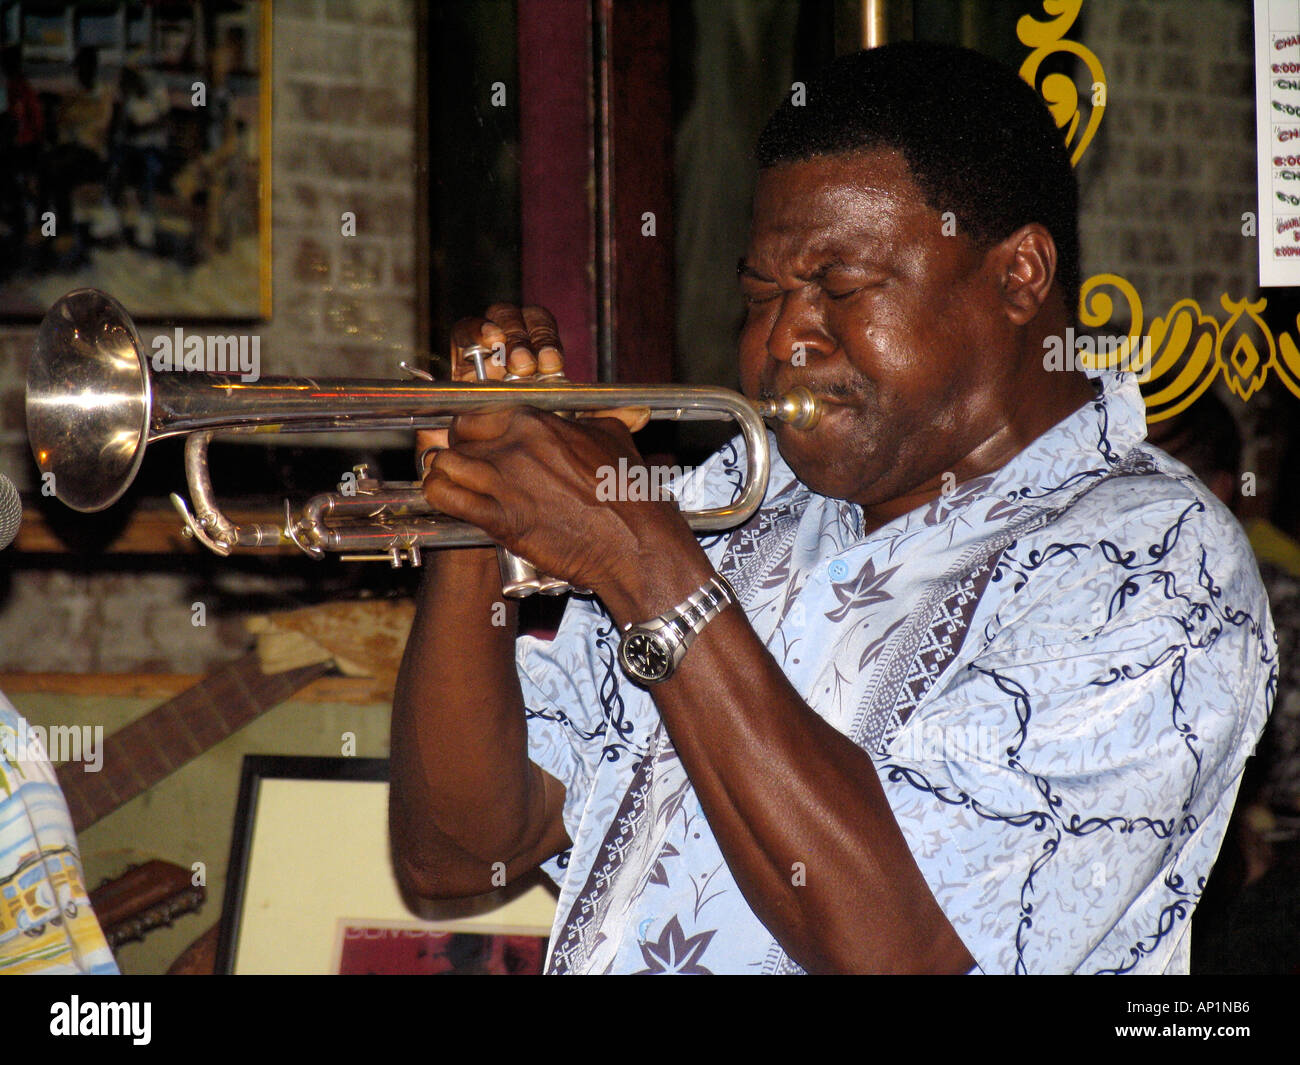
979 141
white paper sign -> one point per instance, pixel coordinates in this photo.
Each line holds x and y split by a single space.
1277 137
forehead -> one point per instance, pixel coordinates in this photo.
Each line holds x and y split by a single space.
839 198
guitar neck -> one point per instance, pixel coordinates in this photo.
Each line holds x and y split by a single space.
137 757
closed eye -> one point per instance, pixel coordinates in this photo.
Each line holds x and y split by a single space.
756 292
843 293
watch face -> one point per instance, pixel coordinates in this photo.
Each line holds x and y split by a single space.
645 656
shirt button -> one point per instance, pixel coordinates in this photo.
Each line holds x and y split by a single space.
838 570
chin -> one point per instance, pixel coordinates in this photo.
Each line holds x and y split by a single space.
807 457
839 458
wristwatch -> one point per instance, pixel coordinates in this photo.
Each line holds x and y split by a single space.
651 651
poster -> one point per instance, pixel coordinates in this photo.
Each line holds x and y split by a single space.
1277 135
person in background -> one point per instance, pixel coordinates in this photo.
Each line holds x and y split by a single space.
22 137
140 139
46 921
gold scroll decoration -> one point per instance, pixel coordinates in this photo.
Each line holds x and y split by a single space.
1177 359
1183 351
1059 91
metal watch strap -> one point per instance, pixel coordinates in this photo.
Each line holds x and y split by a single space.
670 634
689 617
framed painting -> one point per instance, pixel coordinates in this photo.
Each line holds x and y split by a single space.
310 887
136 144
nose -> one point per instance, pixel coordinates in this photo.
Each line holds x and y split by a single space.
799 331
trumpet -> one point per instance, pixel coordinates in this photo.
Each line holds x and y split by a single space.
94 403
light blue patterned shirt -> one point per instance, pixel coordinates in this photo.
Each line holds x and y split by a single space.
1059 670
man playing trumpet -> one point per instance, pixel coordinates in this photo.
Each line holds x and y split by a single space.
978 681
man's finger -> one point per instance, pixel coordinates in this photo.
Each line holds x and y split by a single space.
521 358
486 426
635 418
477 332
427 443
474 475
457 501
544 335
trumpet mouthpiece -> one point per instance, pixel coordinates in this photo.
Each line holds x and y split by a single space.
798 408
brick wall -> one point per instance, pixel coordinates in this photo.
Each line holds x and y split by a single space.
1169 175
1165 181
344 142
343 139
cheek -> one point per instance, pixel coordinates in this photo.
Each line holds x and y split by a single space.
874 350
868 324
884 343
754 333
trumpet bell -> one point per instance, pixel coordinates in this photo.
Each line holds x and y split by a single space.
88 400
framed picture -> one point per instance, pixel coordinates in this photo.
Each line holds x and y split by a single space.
135 138
310 887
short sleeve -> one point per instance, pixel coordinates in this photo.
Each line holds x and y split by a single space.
579 713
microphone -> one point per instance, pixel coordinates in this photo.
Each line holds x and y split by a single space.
11 511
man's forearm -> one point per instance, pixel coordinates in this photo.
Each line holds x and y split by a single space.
780 786
464 795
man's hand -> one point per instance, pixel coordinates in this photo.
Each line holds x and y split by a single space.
523 342
530 478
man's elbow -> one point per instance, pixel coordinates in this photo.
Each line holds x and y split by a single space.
433 867
440 881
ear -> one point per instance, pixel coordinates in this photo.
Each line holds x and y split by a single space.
1026 267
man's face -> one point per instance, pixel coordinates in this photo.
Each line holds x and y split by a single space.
853 289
